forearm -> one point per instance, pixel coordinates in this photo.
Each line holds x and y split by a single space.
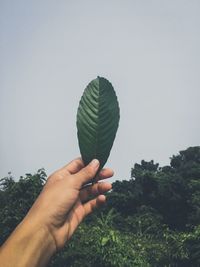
55 215
30 245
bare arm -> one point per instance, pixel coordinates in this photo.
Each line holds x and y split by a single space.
55 215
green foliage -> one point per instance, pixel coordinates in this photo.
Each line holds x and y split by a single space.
151 220
173 191
192 244
97 120
101 244
16 199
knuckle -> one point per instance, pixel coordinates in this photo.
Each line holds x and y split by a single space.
88 171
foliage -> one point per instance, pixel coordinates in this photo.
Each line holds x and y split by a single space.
151 220
16 198
97 120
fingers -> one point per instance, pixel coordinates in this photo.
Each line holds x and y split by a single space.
73 167
91 205
87 173
94 190
104 174
77 214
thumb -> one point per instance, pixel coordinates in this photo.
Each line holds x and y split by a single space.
87 173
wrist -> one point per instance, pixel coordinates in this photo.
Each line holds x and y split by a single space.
37 221
29 243
39 232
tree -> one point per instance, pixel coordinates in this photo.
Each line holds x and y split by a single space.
150 220
16 199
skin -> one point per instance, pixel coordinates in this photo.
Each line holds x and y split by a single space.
64 202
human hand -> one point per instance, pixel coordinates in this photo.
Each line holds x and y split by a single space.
66 199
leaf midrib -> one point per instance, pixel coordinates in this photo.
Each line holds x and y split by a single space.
97 133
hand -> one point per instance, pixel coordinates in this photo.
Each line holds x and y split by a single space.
65 201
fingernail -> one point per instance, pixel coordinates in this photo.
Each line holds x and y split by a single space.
94 163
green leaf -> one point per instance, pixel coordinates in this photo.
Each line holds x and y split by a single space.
104 241
97 120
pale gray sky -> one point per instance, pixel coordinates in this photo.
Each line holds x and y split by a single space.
50 50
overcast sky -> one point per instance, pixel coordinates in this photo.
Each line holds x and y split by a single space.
50 50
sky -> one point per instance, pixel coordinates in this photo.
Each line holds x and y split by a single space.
50 50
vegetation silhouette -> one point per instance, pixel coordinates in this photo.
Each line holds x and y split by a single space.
152 219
